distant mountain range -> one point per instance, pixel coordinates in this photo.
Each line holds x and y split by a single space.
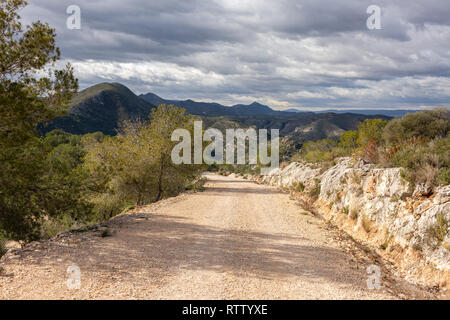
103 106
391 113
212 109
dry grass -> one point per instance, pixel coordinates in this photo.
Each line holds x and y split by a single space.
366 223
387 239
441 227
354 214
429 171
356 179
307 205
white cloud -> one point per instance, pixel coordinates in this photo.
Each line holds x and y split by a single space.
285 53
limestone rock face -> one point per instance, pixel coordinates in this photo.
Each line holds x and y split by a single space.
417 219
292 174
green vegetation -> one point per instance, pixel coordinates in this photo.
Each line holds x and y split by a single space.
61 181
28 191
441 227
354 214
366 223
437 232
2 247
315 191
346 211
105 233
418 143
300 187
135 167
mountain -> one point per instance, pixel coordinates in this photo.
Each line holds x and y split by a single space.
210 108
294 110
252 109
215 109
101 108
297 128
368 112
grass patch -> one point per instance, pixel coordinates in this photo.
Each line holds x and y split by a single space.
197 185
366 223
300 187
387 239
315 191
355 178
354 214
105 233
128 208
440 230
395 199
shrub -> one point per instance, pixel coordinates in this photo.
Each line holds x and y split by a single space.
370 151
3 249
370 130
315 191
348 140
105 233
318 151
300 187
441 227
444 176
428 124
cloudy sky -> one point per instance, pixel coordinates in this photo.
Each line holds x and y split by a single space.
284 53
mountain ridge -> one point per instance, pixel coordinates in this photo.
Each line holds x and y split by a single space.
104 106
211 108
101 107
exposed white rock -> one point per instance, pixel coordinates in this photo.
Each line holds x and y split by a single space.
381 195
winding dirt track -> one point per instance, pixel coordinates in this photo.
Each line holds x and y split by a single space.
236 240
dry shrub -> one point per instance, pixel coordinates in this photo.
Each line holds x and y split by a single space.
307 205
370 151
427 173
441 227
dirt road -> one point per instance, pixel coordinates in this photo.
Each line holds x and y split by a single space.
236 240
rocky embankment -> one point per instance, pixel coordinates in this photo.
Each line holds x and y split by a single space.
376 206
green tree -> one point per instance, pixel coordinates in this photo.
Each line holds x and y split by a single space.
26 100
348 140
136 166
320 150
427 124
370 130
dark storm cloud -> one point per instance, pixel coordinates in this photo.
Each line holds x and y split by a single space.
285 53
